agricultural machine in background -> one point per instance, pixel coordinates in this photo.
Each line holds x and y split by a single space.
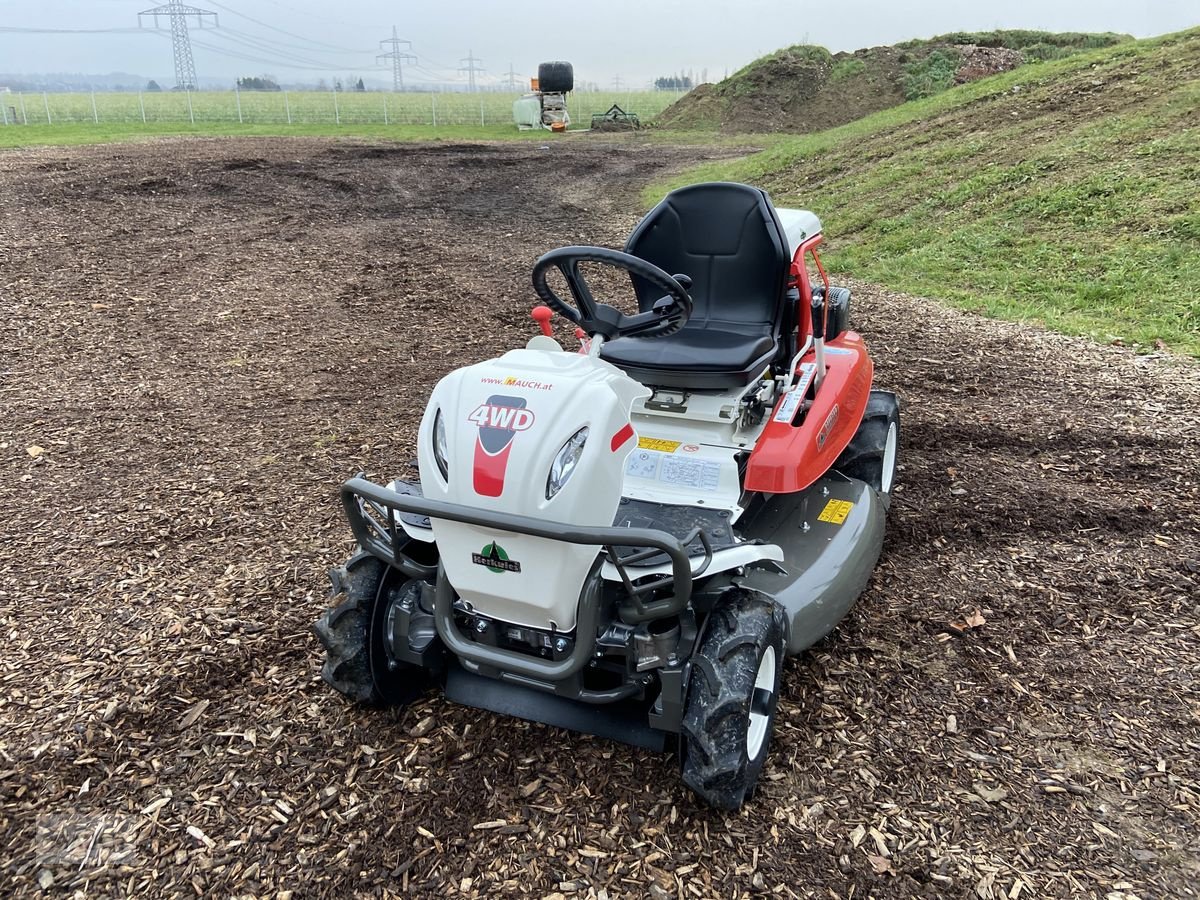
616 119
545 106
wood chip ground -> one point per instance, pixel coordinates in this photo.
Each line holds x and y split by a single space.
201 339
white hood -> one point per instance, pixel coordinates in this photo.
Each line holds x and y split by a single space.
506 420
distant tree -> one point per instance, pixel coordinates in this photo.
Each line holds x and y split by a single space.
322 84
360 87
337 85
257 83
674 83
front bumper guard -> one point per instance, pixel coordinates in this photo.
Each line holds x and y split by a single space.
373 510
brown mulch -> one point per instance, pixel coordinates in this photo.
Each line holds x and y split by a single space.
201 339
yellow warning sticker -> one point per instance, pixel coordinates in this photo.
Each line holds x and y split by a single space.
835 511
662 446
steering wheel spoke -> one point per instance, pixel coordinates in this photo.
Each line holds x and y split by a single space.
580 290
668 315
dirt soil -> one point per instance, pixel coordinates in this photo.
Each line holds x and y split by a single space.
201 339
800 92
790 94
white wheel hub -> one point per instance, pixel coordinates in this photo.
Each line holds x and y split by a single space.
889 460
760 704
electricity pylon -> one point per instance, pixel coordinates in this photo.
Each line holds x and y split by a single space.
181 42
397 57
470 68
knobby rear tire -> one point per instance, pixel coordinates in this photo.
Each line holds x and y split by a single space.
867 457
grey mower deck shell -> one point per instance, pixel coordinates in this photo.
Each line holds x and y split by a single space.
826 565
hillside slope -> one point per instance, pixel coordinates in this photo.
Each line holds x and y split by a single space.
805 88
1064 192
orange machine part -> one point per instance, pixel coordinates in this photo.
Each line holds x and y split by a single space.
790 457
533 84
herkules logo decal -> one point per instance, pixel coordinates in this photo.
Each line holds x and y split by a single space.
830 421
494 558
499 420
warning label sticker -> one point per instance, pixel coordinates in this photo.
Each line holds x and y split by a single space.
835 512
659 444
701 474
642 464
787 409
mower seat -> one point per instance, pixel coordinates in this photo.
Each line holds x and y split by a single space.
727 238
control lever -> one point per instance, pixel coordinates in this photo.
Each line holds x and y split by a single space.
542 315
818 335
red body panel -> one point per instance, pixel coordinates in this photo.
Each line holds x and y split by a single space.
619 439
489 469
800 273
791 457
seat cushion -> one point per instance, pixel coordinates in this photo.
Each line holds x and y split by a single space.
698 358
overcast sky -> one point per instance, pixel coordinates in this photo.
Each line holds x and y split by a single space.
636 40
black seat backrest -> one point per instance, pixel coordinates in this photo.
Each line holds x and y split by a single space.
727 238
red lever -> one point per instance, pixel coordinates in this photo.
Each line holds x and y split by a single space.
542 315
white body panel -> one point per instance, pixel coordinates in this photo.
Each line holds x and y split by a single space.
545 396
798 225
690 456
686 475
730 558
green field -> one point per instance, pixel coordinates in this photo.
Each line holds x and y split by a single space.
303 108
1064 193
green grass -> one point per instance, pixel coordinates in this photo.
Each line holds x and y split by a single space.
42 119
305 108
847 68
929 75
75 134
1023 40
1063 193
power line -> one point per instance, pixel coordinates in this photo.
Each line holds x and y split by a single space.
470 68
397 57
17 30
181 45
271 27
287 57
290 45
314 17
248 57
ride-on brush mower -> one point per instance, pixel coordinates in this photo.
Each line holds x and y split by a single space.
627 540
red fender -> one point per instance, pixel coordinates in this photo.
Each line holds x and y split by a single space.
790 456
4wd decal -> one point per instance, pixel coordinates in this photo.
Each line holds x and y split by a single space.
499 419
504 418
494 558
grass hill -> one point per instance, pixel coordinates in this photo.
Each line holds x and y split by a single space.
1065 192
806 88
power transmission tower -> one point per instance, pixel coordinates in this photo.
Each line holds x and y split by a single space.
617 83
397 57
470 68
511 81
181 42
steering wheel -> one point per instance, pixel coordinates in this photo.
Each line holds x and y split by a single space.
668 314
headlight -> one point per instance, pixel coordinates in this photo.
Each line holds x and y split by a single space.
565 462
440 445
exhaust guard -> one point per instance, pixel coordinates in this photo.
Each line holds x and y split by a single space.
372 512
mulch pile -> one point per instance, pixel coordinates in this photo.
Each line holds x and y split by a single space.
201 339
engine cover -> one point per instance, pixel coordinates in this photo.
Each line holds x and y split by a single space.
506 420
